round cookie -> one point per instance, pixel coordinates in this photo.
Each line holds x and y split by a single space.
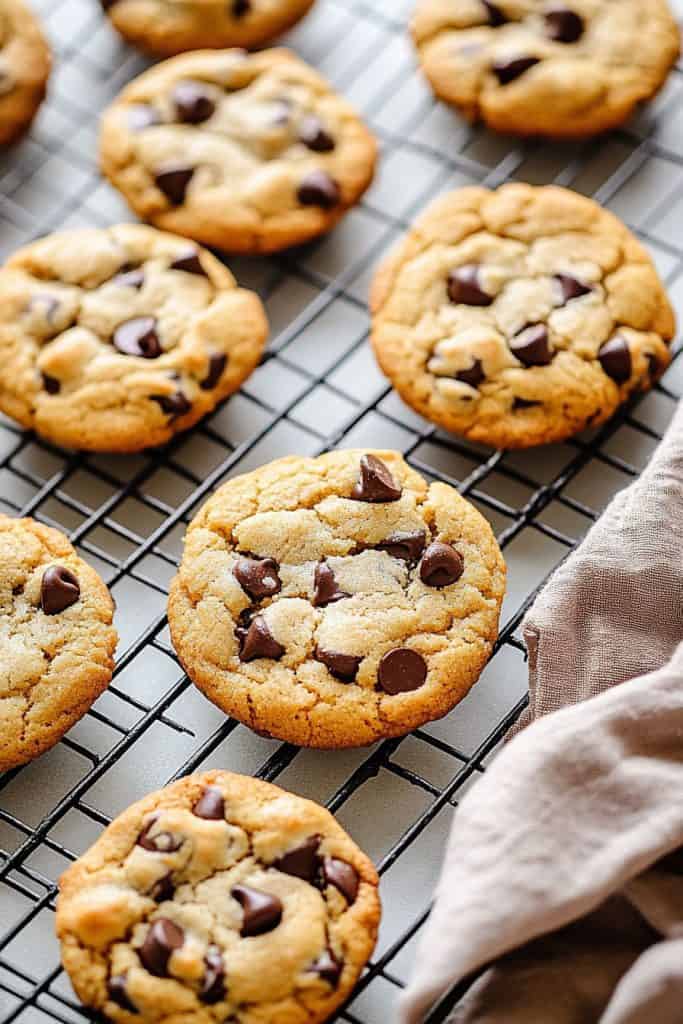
519 317
24 68
558 68
219 898
56 638
166 27
115 340
337 600
247 152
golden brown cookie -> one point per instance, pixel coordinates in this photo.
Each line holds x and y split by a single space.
24 68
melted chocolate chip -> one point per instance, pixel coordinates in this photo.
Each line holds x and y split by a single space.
59 589
328 967
130 279
325 590
173 180
193 102
258 642
569 288
162 842
213 983
474 376
138 337
406 546
401 671
532 346
190 262
507 71
162 938
343 667
174 405
564 25
211 805
313 135
118 993
441 565
465 288
615 359
262 912
523 403
302 861
318 188
51 384
375 484
495 16
342 876
163 890
141 116
258 577
240 8
217 363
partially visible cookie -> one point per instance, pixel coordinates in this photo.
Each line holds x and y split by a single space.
116 339
335 601
24 68
247 152
558 68
219 898
167 27
56 638
521 316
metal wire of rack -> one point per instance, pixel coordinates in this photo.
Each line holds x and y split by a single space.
317 388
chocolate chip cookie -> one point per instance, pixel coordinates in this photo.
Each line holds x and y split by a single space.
219 898
116 339
337 600
519 317
56 638
247 152
558 68
166 27
24 68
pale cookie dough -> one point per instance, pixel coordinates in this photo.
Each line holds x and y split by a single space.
337 600
24 68
558 68
247 152
219 898
519 317
167 27
56 638
115 340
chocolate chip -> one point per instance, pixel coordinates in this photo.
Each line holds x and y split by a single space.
523 403
118 993
130 279
343 667
406 546
259 642
162 842
496 18
213 983
474 376
173 181
302 861
375 484
163 890
45 304
174 405
51 384
141 116
59 589
507 71
162 938
532 346
564 25
138 337
464 286
342 876
217 363
211 805
615 359
262 912
192 102
570 288
240 8
190 262
319 188
258 576
441 565
654 367
328 967
313 135
401 671
326 590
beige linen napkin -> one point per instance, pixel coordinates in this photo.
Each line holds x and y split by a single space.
553 875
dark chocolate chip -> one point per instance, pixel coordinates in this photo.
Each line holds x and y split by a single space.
213 983
162 842
564 25
162 938
496 18
532 346
328 967
302 861
342 876
130 279
406 546
190 262
259 642
401 671
173 181
211 805
44 303
163 890
523 403
107 4
343 667
118 993
174 405
262 912
138 337
570 288
474 376
51 384
240 8
192 102
441 565
654 367
507 71
217 363
141 116
59 589
375 484
325 590
258 577
313 135
319 188
464 286
615 359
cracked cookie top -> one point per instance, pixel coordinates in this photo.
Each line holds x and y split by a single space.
337 600
56 638
114 340
559 68
167 27
520 316
219 898
24 68
247 152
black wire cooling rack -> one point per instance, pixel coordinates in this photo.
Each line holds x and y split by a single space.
318 388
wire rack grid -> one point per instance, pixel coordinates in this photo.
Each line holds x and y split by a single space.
317 388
